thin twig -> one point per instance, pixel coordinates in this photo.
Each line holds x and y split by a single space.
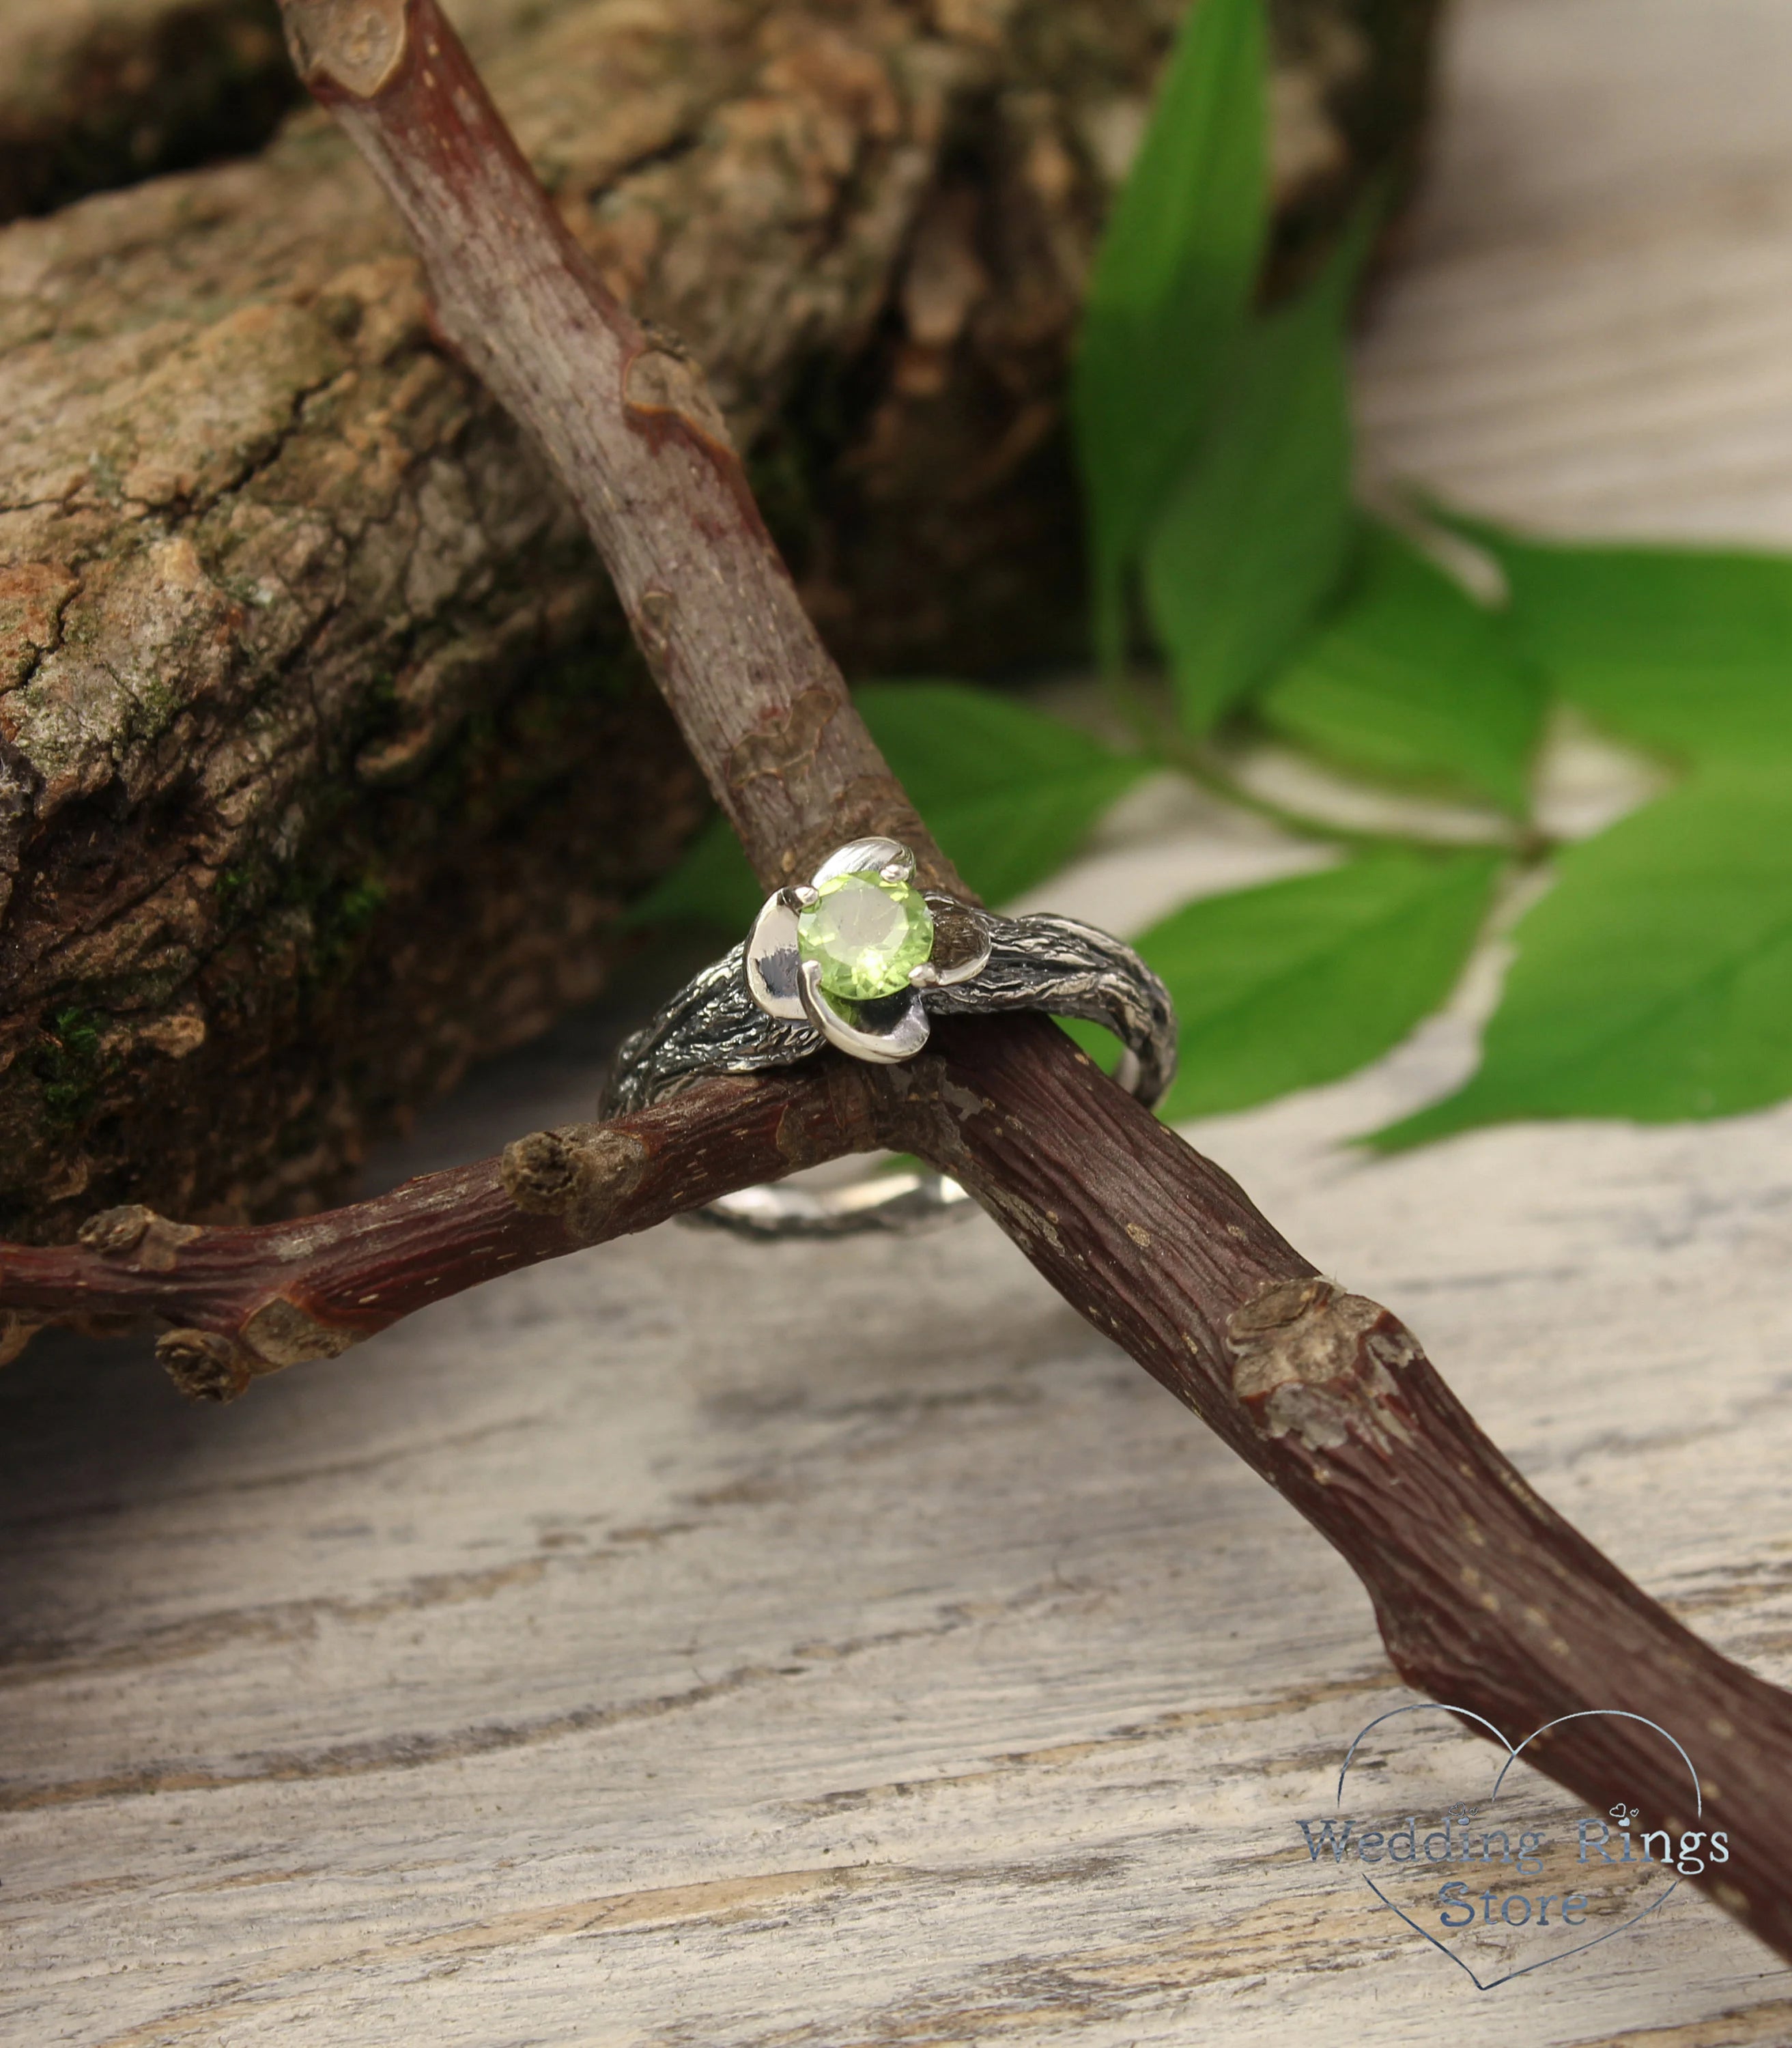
245 1301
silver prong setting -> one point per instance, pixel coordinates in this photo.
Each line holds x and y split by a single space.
763 1005
785 985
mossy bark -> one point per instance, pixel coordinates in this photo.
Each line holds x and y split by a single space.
324 764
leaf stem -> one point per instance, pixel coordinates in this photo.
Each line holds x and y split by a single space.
1205 766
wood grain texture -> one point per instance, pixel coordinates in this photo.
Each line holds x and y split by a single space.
1019 1761
1592 330
659 1646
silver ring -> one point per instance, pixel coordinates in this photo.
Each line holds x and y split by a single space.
859 959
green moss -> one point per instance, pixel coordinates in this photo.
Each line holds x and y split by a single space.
354 906
242 889
68 1065
158 705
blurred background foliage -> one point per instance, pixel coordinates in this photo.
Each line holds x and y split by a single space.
1240 595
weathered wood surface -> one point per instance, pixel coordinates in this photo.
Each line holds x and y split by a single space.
324 763
1594 338
699 1642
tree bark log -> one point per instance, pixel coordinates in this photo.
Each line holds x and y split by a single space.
98 93
325 762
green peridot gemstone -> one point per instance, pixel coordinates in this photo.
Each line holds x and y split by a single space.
866 934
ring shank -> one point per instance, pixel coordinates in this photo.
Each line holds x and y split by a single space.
892 1201
1043 963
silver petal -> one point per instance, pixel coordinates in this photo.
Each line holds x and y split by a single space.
771 962
963 939
863 856
903 1040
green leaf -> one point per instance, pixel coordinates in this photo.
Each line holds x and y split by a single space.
1257 532
1655 980
1411 679
1172 284
1302 981
1008 793
1688 651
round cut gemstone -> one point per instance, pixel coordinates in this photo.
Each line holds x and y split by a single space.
866 933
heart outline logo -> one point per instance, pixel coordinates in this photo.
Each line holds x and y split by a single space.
1512 1755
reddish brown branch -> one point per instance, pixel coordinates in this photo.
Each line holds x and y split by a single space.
248 1300
632 429
1486 1598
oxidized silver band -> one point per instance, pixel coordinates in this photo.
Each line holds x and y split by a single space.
765 1004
